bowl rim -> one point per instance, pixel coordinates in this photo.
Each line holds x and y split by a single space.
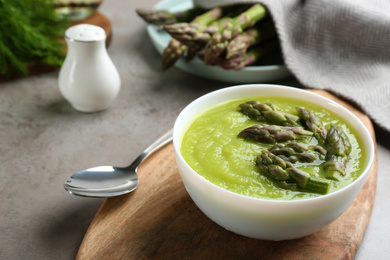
363 133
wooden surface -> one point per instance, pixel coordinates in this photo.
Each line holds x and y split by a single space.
160 221
38 68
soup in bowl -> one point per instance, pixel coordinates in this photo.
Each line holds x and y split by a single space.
271 162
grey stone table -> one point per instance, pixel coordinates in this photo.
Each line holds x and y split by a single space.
43 140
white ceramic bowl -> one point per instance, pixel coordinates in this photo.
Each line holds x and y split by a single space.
265 218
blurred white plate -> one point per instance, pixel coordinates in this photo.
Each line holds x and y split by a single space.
249 74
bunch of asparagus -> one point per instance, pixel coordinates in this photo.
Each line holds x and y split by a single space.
284 130
231 37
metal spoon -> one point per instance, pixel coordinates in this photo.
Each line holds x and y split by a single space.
109 181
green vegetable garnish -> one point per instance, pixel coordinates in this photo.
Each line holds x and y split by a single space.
30 32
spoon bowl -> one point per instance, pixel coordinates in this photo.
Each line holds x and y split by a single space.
110 181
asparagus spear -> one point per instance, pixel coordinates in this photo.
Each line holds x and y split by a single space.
198 34
271 134
172 53
268 112
318 185
192 51
337 142
220 39
164 17
188 33
250 57
265 160
287 185
235 63
194 33
287 176
195 36
313 123
297 152
176 49
197 42
239 45
338 150
334 168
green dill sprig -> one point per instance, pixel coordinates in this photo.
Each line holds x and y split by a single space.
30 32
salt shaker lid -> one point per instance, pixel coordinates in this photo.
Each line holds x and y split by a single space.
85 33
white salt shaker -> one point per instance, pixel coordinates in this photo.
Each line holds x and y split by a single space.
88 79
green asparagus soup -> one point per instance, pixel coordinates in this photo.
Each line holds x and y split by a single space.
212 147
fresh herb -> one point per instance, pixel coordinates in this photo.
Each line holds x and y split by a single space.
30 32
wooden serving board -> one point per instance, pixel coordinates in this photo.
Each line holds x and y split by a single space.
38 68
160 221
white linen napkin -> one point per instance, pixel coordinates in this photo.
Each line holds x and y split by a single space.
342 46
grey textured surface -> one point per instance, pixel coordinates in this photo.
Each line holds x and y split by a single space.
43 140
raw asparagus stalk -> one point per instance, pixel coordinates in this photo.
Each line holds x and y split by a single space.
219 41
192 51
271 134
239 45
268 112
236 63
195 33
287 176
197 43
250 57
164 17
198 34
174 50
172 53
188 33
313 123
338 149
195 36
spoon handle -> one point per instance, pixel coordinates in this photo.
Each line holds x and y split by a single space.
163 140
